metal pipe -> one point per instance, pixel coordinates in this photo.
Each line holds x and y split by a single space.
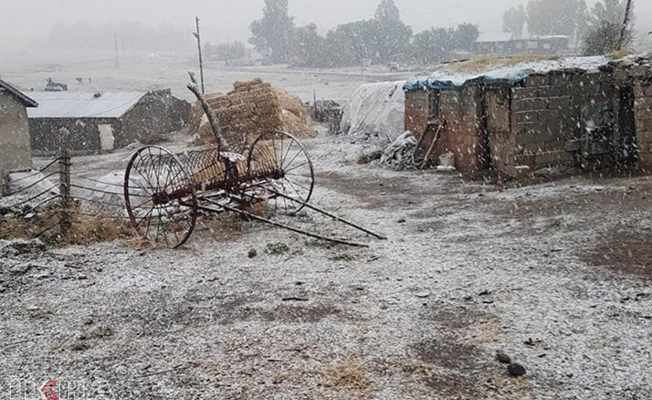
335 217
287 227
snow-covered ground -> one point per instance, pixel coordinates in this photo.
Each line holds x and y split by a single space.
142 74
555 274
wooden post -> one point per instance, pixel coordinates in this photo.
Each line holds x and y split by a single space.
2 183
64 183
625 22
210 114
201 63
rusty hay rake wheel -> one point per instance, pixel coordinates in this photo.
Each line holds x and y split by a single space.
160 197
284 166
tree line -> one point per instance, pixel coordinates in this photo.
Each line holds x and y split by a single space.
381 39
385 38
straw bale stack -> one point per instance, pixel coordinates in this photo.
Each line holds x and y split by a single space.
254 108
197 116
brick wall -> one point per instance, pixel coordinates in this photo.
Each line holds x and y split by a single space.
462 111
417 111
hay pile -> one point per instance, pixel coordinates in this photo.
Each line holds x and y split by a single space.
251 109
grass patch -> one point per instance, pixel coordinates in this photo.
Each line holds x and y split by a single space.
618 54
486 62
277 249
85 228
350 374
102 227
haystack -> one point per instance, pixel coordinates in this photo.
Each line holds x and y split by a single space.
254 108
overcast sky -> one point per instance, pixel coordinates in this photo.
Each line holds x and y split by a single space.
22 21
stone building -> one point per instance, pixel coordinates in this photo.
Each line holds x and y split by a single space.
15 152
102 122
581 112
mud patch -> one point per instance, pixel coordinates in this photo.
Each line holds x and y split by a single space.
574 210
456 318
383 191
624 250
457 367
300 314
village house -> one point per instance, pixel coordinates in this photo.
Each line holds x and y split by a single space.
579 112
103 122
15 152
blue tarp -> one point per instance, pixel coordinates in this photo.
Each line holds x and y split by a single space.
511 76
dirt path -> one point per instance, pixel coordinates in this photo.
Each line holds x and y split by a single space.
554 274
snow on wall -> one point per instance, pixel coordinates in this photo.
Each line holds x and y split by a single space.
447 78
375 109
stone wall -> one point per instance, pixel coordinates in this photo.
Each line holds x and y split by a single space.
15 152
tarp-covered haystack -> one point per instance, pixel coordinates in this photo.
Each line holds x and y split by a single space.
252 109
376 109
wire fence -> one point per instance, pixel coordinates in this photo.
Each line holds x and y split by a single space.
37 207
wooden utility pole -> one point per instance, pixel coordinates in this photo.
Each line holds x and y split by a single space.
201 62
623 31
117 56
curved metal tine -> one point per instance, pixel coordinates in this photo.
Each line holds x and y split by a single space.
144 165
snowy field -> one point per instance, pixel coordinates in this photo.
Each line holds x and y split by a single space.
145 74
554 274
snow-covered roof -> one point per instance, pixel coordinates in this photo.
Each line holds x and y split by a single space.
494 37
83 104
448 78
26 100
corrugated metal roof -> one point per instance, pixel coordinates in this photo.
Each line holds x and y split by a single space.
18 94
82 104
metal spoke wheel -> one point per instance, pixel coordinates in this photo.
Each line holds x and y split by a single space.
280 169
160 197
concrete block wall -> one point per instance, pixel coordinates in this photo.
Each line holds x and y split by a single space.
546 117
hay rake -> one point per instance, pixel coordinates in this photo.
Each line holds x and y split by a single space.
166 192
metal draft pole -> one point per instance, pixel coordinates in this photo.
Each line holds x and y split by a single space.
201 62
625 22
